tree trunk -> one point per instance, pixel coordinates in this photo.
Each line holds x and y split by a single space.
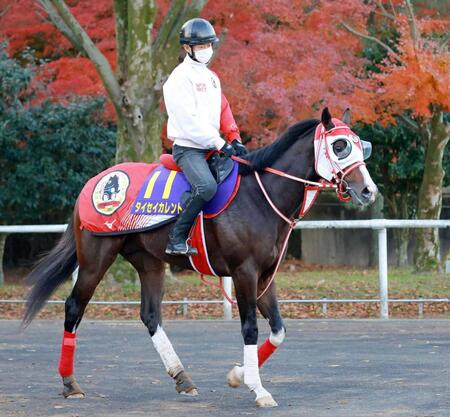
427 256
134 71
2 250
140 139
401 236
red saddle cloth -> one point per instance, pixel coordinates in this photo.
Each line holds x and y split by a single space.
108 203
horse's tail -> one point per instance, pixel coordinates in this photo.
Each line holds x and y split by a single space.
50 272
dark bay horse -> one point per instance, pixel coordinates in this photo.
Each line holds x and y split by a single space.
244 242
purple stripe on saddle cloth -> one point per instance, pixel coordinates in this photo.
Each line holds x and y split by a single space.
224 192
162 190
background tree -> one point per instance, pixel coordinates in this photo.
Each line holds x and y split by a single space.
132 67
47 150
397 167
412 85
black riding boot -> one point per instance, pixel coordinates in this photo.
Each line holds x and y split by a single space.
179 234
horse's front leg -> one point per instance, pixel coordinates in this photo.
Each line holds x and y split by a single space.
246 298
151 273
268 306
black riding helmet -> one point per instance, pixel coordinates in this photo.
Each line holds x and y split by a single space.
197 32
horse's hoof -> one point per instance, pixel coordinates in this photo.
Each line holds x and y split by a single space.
266 401
71 388
233 378
185 385
74 396
192 393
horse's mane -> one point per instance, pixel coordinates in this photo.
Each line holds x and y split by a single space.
267 155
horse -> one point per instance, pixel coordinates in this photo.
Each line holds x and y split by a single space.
246 241
111 188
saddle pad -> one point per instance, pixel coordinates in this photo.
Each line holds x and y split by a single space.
136 197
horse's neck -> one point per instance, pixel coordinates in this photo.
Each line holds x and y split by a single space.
286 194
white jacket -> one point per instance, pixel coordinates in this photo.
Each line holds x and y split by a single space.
192 95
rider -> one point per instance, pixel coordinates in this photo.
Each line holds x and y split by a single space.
197 110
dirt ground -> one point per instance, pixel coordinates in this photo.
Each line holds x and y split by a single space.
325 368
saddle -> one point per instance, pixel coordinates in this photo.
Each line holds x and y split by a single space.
220 166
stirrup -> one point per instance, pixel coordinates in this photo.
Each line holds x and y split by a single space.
182 249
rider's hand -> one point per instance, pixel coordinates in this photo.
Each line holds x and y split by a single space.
228 150
239 148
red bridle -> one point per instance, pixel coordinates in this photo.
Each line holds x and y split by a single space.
338 179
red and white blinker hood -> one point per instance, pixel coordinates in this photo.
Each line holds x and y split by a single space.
327 164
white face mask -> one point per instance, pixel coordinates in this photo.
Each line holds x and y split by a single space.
337 151
204 55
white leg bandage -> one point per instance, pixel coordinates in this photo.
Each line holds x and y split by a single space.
251 371
167 353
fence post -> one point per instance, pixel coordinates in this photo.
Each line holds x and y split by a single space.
325 307
383 273
420 308
185 307
226 304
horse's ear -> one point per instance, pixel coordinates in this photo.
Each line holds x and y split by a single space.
346 117
326 119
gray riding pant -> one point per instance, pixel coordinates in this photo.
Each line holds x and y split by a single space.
193 163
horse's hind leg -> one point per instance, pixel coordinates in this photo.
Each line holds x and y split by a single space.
151 273
95 257
268 306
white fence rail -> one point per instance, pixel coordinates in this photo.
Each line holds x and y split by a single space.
380 225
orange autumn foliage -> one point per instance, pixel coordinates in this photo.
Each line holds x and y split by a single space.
422 78
416 78
281 61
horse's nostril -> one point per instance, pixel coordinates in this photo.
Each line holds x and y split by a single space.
366 193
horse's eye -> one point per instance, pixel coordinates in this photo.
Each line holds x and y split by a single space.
342 148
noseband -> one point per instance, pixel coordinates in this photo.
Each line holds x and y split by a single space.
342 187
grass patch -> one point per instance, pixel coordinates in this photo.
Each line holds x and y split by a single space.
294 281
363 283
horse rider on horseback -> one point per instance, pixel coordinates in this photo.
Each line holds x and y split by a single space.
197 112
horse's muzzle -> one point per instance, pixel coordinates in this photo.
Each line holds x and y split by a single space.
366 197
